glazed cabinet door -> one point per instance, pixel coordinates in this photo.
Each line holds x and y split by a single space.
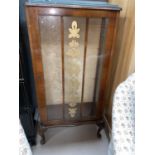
71 54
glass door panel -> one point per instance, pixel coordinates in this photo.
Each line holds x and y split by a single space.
50 35
72 51
74 39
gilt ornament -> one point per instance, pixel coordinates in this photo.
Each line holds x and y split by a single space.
72 111
73 68
74 31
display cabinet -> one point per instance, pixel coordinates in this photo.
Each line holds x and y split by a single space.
71 47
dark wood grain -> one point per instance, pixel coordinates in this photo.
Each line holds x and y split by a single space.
81 12
70 123
63 72
33 29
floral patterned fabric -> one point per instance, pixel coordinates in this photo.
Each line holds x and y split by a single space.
123 119
24 147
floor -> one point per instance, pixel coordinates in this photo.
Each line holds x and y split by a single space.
79 140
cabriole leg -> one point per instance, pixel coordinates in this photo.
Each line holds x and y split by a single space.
101 126
41 133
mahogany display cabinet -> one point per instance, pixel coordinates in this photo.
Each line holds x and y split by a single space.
72 44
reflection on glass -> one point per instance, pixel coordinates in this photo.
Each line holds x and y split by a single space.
74 45
50 32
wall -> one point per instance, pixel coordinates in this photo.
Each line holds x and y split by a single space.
124 51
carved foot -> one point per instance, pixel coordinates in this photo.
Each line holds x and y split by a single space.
41 133
42 141
101 126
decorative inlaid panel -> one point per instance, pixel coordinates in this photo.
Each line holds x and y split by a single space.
74 46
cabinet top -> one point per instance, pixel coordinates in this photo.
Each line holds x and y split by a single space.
75 4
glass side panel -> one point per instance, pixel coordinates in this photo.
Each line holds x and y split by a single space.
92 58
94 65
74 38
50 33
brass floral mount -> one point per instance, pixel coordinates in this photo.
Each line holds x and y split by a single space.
74 31
73 67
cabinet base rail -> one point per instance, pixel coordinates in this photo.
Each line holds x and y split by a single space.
43 128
